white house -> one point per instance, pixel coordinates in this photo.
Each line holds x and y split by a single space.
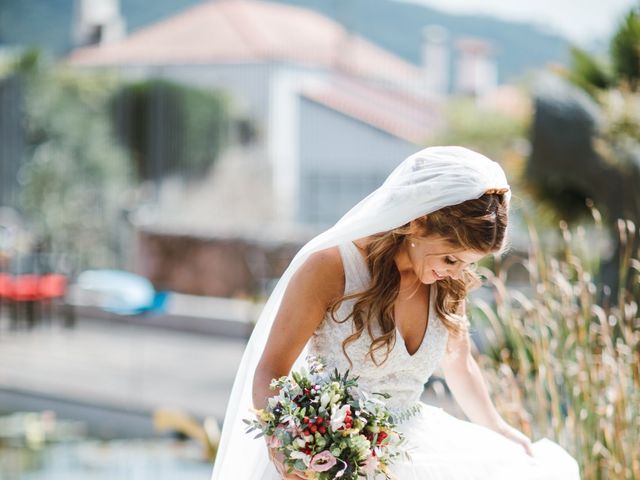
335 112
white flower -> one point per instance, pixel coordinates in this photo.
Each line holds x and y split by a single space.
324 400
301 456
338 415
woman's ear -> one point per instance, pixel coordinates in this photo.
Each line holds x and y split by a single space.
418 225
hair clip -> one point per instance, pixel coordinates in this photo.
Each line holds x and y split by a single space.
496 190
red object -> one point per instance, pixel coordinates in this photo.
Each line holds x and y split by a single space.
53 285
6 286
26 288
32 287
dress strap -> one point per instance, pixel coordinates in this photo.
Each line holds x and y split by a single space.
356 270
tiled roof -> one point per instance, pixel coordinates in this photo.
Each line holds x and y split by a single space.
403 115
220 31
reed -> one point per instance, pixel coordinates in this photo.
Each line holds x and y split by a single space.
564 356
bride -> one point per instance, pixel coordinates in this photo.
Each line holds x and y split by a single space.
382 293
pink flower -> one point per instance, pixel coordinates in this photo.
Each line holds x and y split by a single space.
370 464
323 461
273 442
296 431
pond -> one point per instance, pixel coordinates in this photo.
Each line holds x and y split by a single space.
157 459
40 446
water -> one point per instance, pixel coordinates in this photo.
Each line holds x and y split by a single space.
112 460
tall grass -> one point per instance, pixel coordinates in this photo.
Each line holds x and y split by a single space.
564 361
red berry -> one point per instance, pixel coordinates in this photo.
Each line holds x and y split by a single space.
306 432
322 429
305 420
313 428
319 420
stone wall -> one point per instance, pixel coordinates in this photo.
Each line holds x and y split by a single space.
221 267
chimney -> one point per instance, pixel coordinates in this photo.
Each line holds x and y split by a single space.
435 59
97 22
476 72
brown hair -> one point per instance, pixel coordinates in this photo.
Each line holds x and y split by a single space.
478 224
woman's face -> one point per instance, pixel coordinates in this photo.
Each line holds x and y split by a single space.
433 258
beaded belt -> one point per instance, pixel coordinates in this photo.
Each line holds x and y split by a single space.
401 415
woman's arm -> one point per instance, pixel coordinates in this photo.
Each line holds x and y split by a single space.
305 301
465 380
309 293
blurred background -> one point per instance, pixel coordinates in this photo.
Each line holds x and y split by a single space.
162 162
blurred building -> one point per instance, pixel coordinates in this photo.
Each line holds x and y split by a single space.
334 112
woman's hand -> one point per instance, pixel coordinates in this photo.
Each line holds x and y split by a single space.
277 460
515 436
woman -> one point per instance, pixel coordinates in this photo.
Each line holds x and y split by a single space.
383 292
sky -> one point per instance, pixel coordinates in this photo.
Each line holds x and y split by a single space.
588 23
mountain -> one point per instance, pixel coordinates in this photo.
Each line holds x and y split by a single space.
396 26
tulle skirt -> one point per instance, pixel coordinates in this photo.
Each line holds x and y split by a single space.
443 447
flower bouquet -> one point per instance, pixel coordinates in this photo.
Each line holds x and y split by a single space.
326 427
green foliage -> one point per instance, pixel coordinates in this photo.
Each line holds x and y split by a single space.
589 73
625 50
74 179
28 62
490 132
495 134
609 149
621 68
170 128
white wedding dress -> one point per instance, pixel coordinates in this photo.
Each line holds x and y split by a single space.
442 447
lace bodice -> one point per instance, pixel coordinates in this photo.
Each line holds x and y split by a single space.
403 375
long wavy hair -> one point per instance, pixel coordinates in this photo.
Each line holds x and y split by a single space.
478 224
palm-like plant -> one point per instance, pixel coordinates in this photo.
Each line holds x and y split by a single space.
625 51
621 69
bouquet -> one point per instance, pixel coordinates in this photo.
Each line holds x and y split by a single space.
326 427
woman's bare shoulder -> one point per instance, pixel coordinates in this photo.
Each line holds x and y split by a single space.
312 289
326 269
